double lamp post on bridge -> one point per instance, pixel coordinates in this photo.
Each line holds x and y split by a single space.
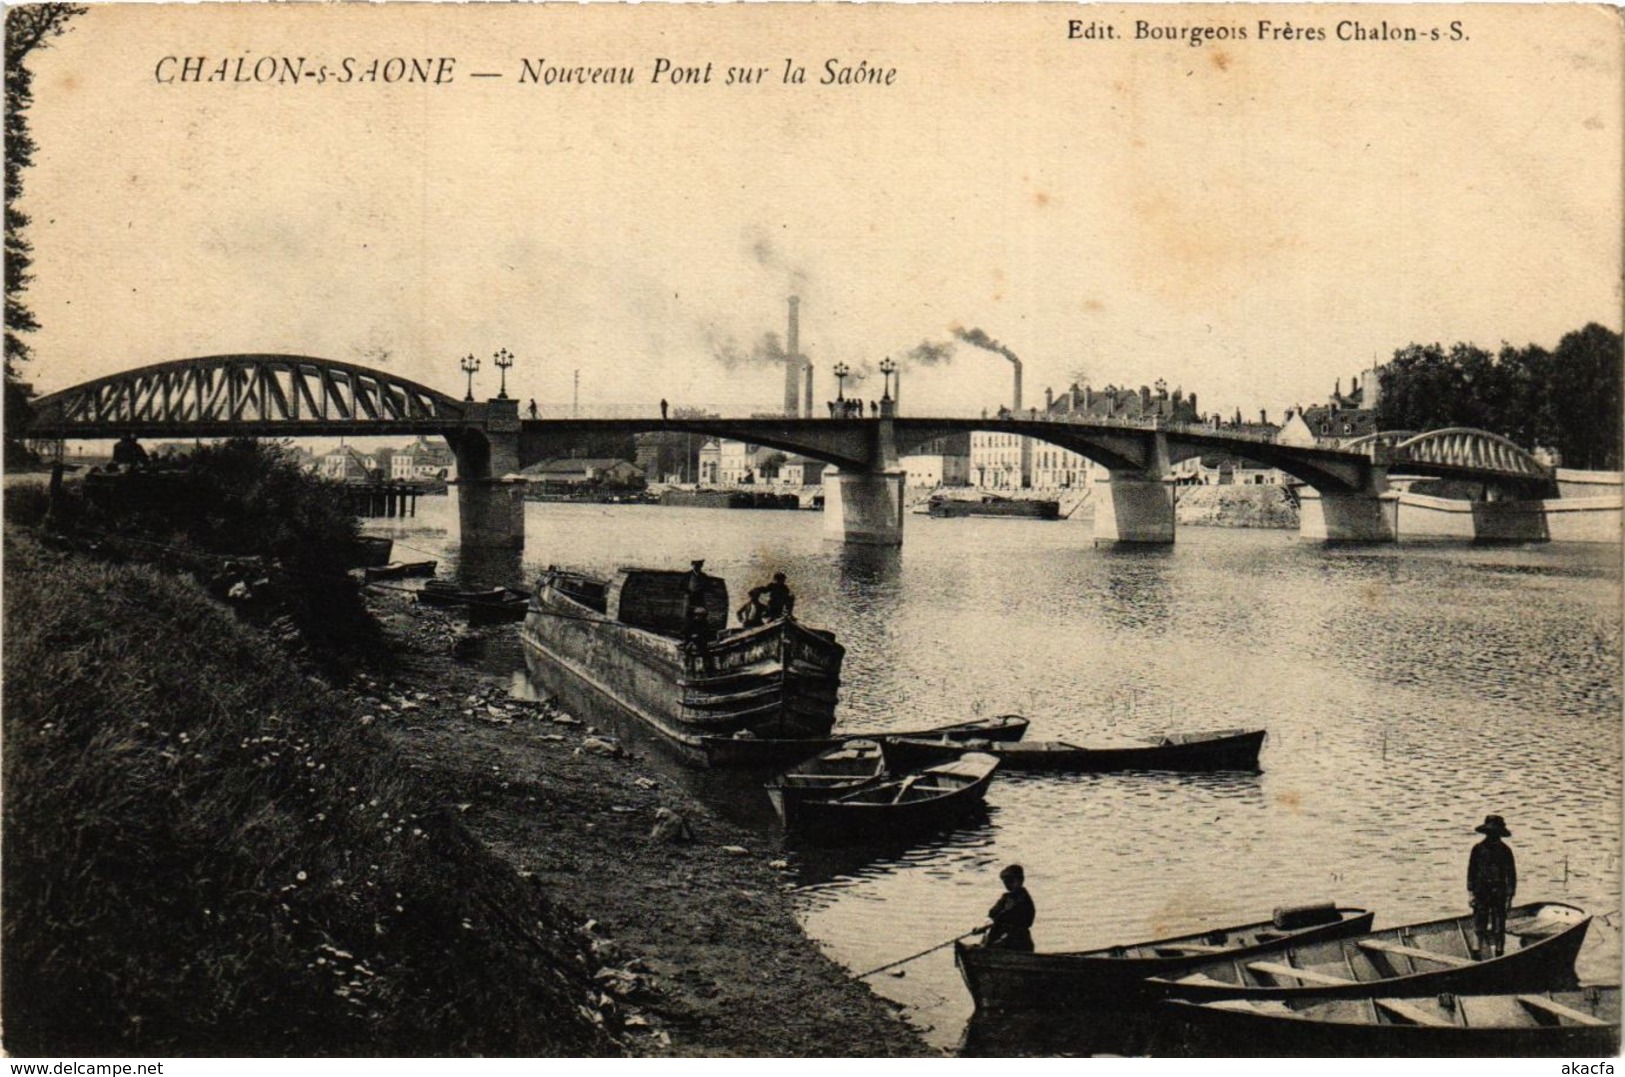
503 360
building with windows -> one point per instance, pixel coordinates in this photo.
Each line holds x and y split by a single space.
725 462
423 459
347 464
943 461
1344 416
801 471
572 472
1003 461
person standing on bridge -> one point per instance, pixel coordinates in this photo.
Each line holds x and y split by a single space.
1492 880
533 412
663 409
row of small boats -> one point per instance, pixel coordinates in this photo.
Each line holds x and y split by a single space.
1318 980
886 785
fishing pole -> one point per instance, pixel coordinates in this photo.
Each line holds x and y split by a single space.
922 953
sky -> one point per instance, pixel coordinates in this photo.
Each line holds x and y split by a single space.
1250 220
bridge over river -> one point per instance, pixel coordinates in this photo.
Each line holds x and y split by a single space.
1347 495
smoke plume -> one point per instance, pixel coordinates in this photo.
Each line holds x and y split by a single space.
979 339
767 351
769 257
929 353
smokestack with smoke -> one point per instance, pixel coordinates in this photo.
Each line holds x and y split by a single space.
792 361
979 339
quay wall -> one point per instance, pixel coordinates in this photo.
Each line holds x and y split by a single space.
1266 505
1565 519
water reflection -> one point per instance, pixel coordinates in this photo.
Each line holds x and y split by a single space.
1407 692
483 567
1136 589
822 865
864 567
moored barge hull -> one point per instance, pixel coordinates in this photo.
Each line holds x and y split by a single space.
776 680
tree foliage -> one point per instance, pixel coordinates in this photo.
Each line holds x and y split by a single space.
1568 399
28 27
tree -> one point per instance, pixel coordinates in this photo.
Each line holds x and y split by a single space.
1569 399
1584 397
28 28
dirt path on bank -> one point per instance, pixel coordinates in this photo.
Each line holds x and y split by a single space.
702 954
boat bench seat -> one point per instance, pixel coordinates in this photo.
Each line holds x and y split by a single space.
1412 952
1412 1013
1557 1009
1270 968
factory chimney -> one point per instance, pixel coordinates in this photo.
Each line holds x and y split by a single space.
792 361
806 401
979 339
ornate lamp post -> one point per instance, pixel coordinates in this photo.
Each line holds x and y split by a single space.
469 365
887 367
840 370
503 359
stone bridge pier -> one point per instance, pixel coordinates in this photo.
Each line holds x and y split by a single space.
1362 510
1329 516
1135 504
864 507
490 512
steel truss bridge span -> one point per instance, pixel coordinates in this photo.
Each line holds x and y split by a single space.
253 395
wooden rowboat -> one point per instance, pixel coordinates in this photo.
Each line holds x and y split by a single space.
371 551
766 752
1583 1022
509 607
840 769
398 570
1225 749
1009 980
1415 959
487 606
896 806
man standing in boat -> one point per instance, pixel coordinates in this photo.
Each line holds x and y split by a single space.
1492 879
1012 915
696 621
771 601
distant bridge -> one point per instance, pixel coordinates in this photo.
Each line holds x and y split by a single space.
300 396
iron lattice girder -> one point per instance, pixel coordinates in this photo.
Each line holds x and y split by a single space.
1463 448
245 394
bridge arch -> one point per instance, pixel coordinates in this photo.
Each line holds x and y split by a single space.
1128 446
247 394
1462 447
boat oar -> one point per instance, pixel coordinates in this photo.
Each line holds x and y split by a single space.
922 953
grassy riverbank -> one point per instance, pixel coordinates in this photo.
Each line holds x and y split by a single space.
209 851
206 852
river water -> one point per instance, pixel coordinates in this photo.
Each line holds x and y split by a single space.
1407 690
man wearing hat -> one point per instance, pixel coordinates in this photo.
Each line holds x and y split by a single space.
1492 879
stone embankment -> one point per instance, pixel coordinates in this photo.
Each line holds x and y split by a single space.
1236 506
688 913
